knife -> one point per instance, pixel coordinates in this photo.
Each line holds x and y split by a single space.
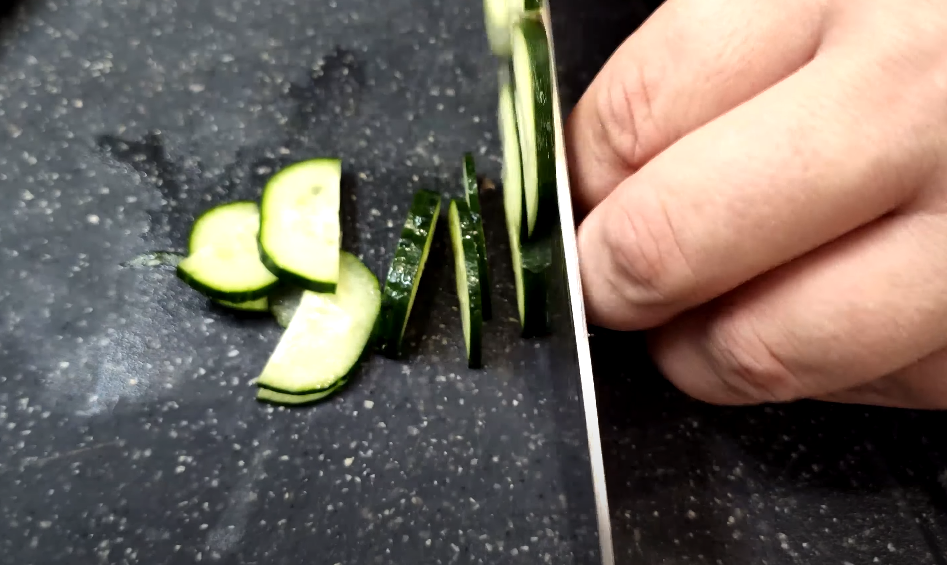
573 289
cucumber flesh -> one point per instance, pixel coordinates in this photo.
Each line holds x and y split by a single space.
274 397
327 334
224 262
499 18
472 193
533 290
300 232
463 235
512 162
260 305
533 101
407 266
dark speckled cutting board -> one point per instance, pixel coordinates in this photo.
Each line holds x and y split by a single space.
130 430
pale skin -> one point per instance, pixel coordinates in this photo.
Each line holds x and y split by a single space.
762 185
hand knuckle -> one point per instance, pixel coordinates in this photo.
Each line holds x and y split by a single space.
650 266
625 114
750 364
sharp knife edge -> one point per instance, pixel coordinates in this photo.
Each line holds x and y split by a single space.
577 304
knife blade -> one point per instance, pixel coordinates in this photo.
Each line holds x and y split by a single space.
573 289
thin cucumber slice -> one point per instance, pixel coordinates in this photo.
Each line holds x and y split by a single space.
531 263
533 100
529 276
533 289
300 232
327 335
404 275
274 397
512 162
499 18
463 234
472 192
224 263
260 305
283 304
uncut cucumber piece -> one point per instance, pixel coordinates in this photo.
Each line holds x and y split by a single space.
260 305
463 233
300 231
472 193
274 397
532 85
223 261
407 266
327 334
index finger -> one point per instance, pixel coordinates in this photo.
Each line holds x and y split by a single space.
690 62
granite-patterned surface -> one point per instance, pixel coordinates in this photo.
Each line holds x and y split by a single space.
130 432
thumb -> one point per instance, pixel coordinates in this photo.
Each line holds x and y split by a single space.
692 61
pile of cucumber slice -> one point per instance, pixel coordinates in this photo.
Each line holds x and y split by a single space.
283 255
525 115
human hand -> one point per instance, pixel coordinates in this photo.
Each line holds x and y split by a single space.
766 189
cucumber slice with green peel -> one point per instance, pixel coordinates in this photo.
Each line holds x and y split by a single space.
283 304
274 397
327 334
472 193
532 85
463 234
512 162
224 261
471 188
530 260
404 275
499 18
533 286
300 232
531 263
260 305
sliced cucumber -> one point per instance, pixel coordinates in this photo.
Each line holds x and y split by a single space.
512 163
224 263
472 192
404 275
463 234
260 305
327 334
274 397
532 290
300 233
283 304
533 100
499 18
